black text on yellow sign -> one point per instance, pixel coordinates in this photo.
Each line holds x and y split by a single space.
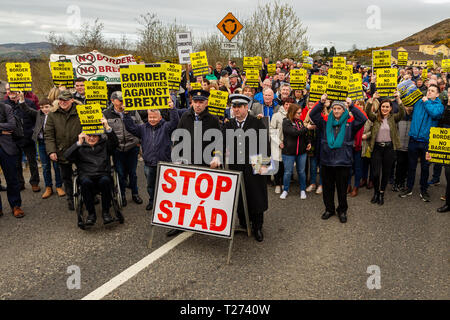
355 89
298 79
199 62
19 76
381 59
96 92
318 87
217 102
439 146
62 74
90 118
402 58
145 86
339 62
174 75
386 81
338 84
446 65
271 69
252 78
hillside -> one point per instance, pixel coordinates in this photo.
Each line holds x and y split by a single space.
23 51
438 33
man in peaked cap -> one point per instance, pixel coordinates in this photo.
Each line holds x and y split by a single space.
255 184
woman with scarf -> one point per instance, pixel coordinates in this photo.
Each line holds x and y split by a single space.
336 151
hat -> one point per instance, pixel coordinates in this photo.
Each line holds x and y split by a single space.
239 99
233 75
65 95
338 103
199 94
224 73
117 95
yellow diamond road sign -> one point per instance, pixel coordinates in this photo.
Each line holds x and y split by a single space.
229 26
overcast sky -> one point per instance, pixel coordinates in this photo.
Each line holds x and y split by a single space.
329 22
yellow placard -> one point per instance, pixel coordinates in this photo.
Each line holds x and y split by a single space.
338 84
257 62
196 86
305 53
424 74
174 75
381 59
386 81
252 76
402 58
272 69
430 64
349 67
145 86
62 73
217 102
298 79
307 62
339 62
439 145
355 91
199 62
317 88
90 118
96 92
445 65
19 76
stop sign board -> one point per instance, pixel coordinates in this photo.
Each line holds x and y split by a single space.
229 26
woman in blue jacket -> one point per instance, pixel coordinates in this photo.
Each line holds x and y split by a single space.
336 151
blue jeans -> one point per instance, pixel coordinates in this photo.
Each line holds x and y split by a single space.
288 162
416 150
8 164
313 170
356 169
47 167
126 163
150 174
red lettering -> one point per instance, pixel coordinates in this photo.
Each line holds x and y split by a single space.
170 180
99 57
198 182
101 68
199 217
186 175
164 207
223 218
223 185
108 69
128 60
182 207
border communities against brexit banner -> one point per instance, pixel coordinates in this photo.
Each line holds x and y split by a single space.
145 86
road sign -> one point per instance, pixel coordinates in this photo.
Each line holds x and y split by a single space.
229 45
229 26
184 47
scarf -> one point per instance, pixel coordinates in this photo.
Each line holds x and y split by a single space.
336 142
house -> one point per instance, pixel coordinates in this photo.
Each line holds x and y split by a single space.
418 55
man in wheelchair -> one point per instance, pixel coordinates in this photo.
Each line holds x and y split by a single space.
91 154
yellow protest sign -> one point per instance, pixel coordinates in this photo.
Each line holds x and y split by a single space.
430 64
257 62
439 146
217 102
145 86
90 118
196 86
271 69
349 67
338 84
381 59
298 79
305 53
19 76
174 76
317 88
386 81
252 76
402 58
307 62
424 74
248 63
62 73
199 62
339 62
446 65
96 92
355 91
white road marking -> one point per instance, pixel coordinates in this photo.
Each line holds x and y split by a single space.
129 273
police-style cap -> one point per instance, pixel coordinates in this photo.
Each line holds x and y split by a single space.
239 99
65 95
199 94
117 95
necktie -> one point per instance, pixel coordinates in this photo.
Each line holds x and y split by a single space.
239 123
196 118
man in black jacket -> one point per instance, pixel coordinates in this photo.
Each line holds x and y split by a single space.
91 154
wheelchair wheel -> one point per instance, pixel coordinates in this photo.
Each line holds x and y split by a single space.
78 203
117 194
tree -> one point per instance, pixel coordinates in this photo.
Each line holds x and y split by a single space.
354 48
273 30
325 52
90 37
212 45
332 51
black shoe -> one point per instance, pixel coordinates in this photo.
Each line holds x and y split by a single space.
22 187
149 206
425 196
375 198
258 235
91 219
405 193
381 199
343 217
124 201
107 219
137 199
119 217
173 232
326 215
2 188
70 205
96 200
395 188
443 209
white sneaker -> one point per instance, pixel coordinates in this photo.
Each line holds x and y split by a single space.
284 195
319 190
311 187
277 189
303 195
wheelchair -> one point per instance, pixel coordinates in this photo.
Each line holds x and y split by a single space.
116 199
